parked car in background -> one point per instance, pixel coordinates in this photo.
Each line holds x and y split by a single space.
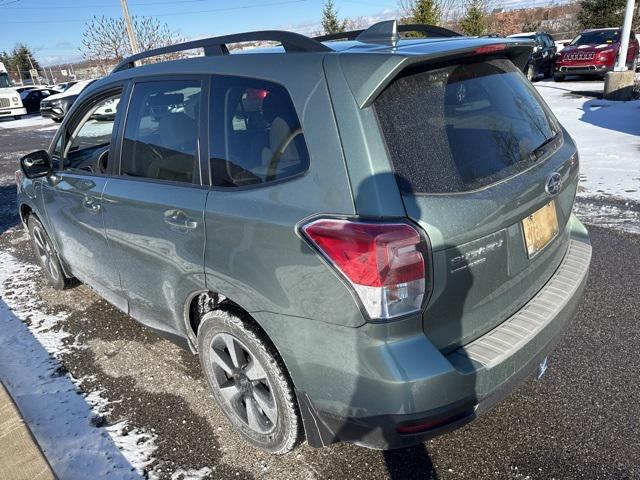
56 106
32 97
10 102
24 88
543 56
368 241
594 53
66 85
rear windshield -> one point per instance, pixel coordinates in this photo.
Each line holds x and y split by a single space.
462 127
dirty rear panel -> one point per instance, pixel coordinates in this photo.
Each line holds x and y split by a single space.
473 146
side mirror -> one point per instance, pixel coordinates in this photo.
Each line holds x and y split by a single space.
36 164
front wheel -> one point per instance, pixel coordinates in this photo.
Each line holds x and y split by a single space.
17 117
46 255
558 78
531 74
249 381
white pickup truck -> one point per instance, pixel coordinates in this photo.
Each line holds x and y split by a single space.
10 102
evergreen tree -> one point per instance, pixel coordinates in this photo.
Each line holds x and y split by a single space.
22 58
421 11
474 21
330 21
427 12
603 13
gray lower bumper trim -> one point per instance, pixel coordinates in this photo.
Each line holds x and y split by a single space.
501 342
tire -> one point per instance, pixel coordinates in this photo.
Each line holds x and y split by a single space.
558 78
531 74
251 386
17 117
57 120
46 255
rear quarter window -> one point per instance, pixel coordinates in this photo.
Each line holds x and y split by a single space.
462 127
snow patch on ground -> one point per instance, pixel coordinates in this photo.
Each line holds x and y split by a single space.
27 121
67 426
182 474
623 216
607 134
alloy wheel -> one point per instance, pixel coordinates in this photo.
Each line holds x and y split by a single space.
45 252
243 383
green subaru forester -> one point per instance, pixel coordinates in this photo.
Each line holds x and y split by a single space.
364 237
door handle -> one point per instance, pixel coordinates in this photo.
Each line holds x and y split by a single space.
91 204
179 219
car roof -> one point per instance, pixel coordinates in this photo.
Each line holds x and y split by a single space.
526 34
372 56
601 29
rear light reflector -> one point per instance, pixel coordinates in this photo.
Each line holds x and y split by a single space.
432 424
383 262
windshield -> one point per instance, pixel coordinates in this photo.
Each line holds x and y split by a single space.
596 38
462 127
4 80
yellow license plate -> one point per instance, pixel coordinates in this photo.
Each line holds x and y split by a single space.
540 228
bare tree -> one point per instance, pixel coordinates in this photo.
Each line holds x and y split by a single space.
105 39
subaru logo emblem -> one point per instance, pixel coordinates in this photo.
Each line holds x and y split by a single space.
554 183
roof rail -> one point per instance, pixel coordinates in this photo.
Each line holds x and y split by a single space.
292 42
427 30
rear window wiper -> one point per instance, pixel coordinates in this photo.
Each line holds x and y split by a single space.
542 148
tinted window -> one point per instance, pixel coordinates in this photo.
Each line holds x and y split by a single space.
161 134
597 37
462 127
256 136
88 147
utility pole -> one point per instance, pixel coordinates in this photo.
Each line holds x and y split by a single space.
31 74
618 85
133 41
621 64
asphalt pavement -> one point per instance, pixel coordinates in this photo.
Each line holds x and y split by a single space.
581 420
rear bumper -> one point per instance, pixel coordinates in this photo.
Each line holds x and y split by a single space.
465 383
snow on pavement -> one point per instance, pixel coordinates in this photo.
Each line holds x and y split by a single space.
607 134
66 425
28 121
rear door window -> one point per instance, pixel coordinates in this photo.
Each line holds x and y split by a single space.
161 132
462 127
256 136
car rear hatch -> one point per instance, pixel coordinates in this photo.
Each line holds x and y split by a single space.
488 173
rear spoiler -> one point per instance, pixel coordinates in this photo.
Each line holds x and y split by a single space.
369 74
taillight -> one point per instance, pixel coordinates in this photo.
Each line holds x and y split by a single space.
485 49
384 262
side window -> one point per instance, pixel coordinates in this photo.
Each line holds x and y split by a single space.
161 133
88 147
256 136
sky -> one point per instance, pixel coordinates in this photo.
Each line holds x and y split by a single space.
53 28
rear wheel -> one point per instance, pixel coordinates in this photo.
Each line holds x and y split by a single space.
558 78
46 255
248 382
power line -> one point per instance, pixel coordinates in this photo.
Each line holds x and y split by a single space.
174 14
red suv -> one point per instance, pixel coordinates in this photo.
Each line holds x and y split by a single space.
594 52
